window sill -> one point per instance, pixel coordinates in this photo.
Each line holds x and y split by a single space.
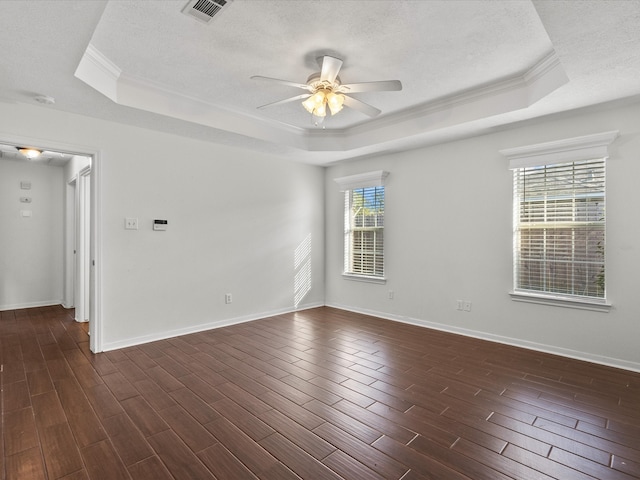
364 278
594 305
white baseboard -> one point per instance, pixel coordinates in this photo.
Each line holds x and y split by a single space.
20 306
516 342
130 342
552 349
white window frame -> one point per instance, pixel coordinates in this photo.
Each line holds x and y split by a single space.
347 185
570 150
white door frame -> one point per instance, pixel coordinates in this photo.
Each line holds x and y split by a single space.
95 224
82 242
95 248
70 244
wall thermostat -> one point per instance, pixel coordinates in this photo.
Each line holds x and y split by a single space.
159 224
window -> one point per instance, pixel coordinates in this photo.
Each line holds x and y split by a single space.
559 221
364 199
364 231
559 231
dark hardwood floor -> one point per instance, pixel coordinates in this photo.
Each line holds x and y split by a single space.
318 394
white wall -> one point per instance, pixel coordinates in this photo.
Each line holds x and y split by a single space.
448 236
31 248
235 219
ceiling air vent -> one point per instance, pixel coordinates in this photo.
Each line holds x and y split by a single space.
204 10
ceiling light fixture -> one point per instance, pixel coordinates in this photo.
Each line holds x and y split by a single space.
324 97
29 152
325 91
324 94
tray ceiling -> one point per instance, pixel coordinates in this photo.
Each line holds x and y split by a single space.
465 66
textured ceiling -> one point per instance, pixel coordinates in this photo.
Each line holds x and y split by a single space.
465 66
377 40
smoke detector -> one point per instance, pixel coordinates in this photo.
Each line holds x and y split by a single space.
45 99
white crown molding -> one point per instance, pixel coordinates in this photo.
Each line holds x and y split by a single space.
544 77
97 71
503 96
586 147
152 97
100 73
496 98
548 63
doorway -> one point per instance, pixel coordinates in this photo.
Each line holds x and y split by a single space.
79 272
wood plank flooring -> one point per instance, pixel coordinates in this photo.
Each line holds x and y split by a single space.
318 394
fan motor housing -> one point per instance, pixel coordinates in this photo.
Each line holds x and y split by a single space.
314 82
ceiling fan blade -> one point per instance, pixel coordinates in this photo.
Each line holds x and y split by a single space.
361 106
286 100
382 86
282 82
330 68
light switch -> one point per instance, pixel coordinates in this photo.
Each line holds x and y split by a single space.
130 223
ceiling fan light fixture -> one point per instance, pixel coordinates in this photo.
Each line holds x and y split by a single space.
309 105
314 101
335 101
30 152
325 91
316 104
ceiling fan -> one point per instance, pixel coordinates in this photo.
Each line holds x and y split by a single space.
326 92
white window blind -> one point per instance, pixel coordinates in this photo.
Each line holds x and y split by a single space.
364 199
559 221
559 235
364 231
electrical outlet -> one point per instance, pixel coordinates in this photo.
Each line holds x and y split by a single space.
227 298
390 295
467 306
131 224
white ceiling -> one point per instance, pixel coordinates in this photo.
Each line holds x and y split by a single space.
466 66
49 158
